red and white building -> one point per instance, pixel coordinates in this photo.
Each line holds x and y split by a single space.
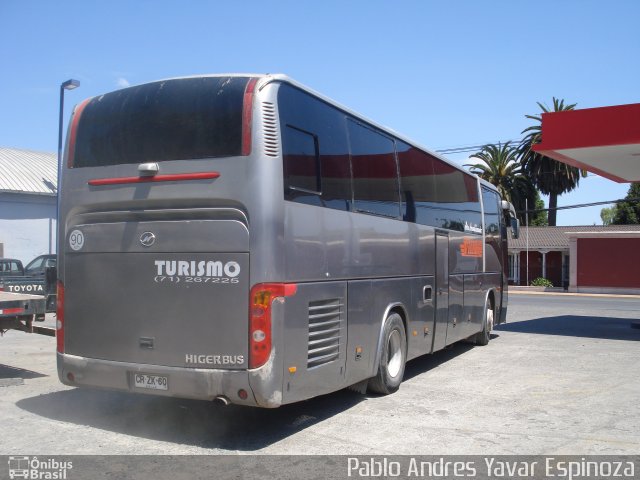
605 141
578 258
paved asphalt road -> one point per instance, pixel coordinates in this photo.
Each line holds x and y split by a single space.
560 378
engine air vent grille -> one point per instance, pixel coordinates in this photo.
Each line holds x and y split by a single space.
270 129
325 327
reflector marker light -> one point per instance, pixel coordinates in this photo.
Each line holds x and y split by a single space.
11 311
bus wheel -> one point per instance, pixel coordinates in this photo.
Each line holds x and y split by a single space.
392 358
483 337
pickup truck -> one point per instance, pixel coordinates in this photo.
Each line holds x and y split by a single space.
18 311
38 278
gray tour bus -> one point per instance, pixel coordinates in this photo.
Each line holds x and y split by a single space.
245 239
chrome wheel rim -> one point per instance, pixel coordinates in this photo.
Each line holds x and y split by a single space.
394 354
489 320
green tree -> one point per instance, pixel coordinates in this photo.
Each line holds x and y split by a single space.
628 213
539 218
499 166
549 176
537 211
607 215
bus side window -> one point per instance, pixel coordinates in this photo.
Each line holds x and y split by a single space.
492 213
301 163
301 117
375 173
436 194
416 184
334 161
457 199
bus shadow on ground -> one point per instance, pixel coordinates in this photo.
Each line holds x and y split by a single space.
425 363
189 422
7 371
608 328
205 424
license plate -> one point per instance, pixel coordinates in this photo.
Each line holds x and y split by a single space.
153 382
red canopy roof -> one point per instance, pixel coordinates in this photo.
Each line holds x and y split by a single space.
603 140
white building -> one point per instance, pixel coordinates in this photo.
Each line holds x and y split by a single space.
28 185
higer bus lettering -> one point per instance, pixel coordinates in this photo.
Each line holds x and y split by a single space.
193 268
214 359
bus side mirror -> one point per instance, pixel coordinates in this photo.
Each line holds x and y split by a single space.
515 227
510 211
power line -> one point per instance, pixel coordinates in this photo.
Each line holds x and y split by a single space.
580 205
471 148
476 148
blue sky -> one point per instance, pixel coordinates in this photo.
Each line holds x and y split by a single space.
444 73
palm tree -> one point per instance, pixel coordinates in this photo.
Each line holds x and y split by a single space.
500 167
549 176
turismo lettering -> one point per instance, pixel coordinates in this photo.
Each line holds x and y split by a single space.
193 268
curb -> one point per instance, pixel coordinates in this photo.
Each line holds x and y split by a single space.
573 294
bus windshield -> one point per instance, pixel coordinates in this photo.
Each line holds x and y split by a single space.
177 119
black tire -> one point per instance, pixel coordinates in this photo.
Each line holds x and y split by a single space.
482 338
392 358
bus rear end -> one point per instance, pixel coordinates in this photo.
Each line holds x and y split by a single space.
154 241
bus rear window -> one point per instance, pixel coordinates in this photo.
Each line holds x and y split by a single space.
178 119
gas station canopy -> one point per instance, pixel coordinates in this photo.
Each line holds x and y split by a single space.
603 140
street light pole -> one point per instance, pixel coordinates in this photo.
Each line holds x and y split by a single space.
68 85
526 207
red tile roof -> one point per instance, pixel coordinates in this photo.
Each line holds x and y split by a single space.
558 238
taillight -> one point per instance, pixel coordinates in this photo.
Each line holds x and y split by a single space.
60 317
260 300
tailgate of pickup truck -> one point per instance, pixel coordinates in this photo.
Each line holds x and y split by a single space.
18 304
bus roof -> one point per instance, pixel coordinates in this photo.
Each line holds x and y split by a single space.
285 79
265 79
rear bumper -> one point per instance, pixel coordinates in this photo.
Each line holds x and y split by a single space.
199 384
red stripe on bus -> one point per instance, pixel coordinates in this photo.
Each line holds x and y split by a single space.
71 151
156 178
247 115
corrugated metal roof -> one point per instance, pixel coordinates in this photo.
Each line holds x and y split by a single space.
26 171
558 237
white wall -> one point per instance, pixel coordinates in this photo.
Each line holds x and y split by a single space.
27 225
